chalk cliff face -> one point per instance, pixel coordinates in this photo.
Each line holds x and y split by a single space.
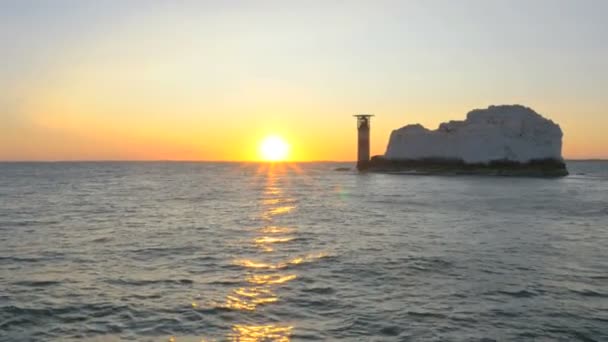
510 132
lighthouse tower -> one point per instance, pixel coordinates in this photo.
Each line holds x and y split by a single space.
363 121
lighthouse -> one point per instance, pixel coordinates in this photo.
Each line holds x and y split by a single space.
363 121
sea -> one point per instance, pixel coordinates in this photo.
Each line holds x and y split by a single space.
198 251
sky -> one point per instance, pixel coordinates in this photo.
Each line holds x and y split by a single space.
208 80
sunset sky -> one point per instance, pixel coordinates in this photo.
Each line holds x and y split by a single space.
209 80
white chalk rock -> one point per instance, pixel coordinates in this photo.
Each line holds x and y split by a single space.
508 132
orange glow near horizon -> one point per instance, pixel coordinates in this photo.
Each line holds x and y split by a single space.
69 136
89 126
86 127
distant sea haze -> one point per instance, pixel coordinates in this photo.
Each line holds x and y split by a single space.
187 251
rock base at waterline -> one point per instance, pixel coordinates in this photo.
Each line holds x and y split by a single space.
532 168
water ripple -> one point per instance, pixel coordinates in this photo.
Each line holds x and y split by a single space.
254 252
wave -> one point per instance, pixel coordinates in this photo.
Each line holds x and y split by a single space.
149 282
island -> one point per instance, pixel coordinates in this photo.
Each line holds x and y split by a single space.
506 140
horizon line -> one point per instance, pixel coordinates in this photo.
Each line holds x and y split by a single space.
212 161
171 161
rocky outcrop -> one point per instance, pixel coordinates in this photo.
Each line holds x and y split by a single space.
499 139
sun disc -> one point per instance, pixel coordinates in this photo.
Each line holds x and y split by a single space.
274 148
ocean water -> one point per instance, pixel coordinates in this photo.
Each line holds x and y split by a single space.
299 252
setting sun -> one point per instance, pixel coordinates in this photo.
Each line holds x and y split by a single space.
274 148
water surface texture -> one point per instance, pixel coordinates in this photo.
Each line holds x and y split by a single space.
250 252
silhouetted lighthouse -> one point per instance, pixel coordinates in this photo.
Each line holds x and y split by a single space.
363 140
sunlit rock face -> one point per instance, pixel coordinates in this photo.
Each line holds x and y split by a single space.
499 133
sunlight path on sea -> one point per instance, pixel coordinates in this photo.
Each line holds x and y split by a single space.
264 276
269 268
223 252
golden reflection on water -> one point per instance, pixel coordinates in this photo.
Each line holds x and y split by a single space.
275 230
294 261
275 201
271 190
299 260
252 292
265 242
270 279
280 210
253 264
269 239
264 277
248 298
261 333
236 303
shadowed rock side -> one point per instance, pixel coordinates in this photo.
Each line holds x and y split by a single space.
509 140
533 168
